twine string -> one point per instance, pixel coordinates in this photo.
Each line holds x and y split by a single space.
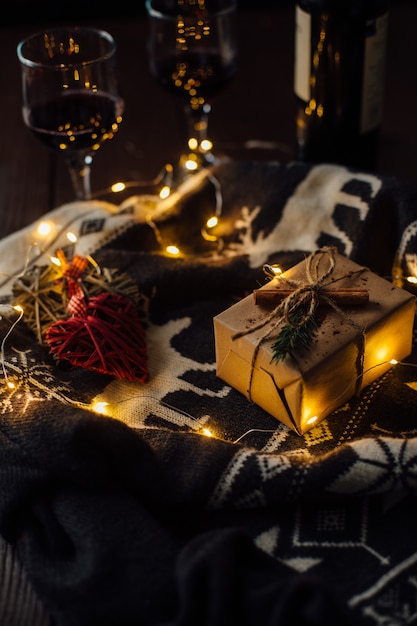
305 299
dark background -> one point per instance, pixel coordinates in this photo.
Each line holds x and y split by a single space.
21 13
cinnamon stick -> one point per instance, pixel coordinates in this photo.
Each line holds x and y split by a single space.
342 297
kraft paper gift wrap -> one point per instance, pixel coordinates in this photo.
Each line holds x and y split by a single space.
352 347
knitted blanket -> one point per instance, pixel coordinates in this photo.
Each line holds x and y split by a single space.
136 516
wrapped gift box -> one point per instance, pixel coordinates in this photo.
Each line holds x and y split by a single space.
352 347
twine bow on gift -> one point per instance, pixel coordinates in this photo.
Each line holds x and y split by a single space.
296 311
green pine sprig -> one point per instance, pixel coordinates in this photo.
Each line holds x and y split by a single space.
294 338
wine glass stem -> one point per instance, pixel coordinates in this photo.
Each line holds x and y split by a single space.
80 170
198 146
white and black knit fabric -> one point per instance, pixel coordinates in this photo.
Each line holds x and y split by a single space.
140 518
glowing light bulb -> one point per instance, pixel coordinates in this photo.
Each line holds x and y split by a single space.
117 187
206 145
193 143
55 261
173 250
165 192
312 419
212 222
100 407
10 385
44 229
71 237
18 308
207 432
191 165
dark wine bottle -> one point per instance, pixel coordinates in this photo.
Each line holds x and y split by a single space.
340 49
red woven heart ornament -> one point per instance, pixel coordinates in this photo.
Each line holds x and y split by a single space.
105 335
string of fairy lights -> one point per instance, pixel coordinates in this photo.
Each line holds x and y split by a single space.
105 408
166 195
45 229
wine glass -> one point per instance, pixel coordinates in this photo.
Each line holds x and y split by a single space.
71 99
192 50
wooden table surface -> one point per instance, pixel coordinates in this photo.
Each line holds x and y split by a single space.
257 107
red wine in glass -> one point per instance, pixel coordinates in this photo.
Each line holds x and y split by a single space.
193 55
70 95
195 76
76 121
